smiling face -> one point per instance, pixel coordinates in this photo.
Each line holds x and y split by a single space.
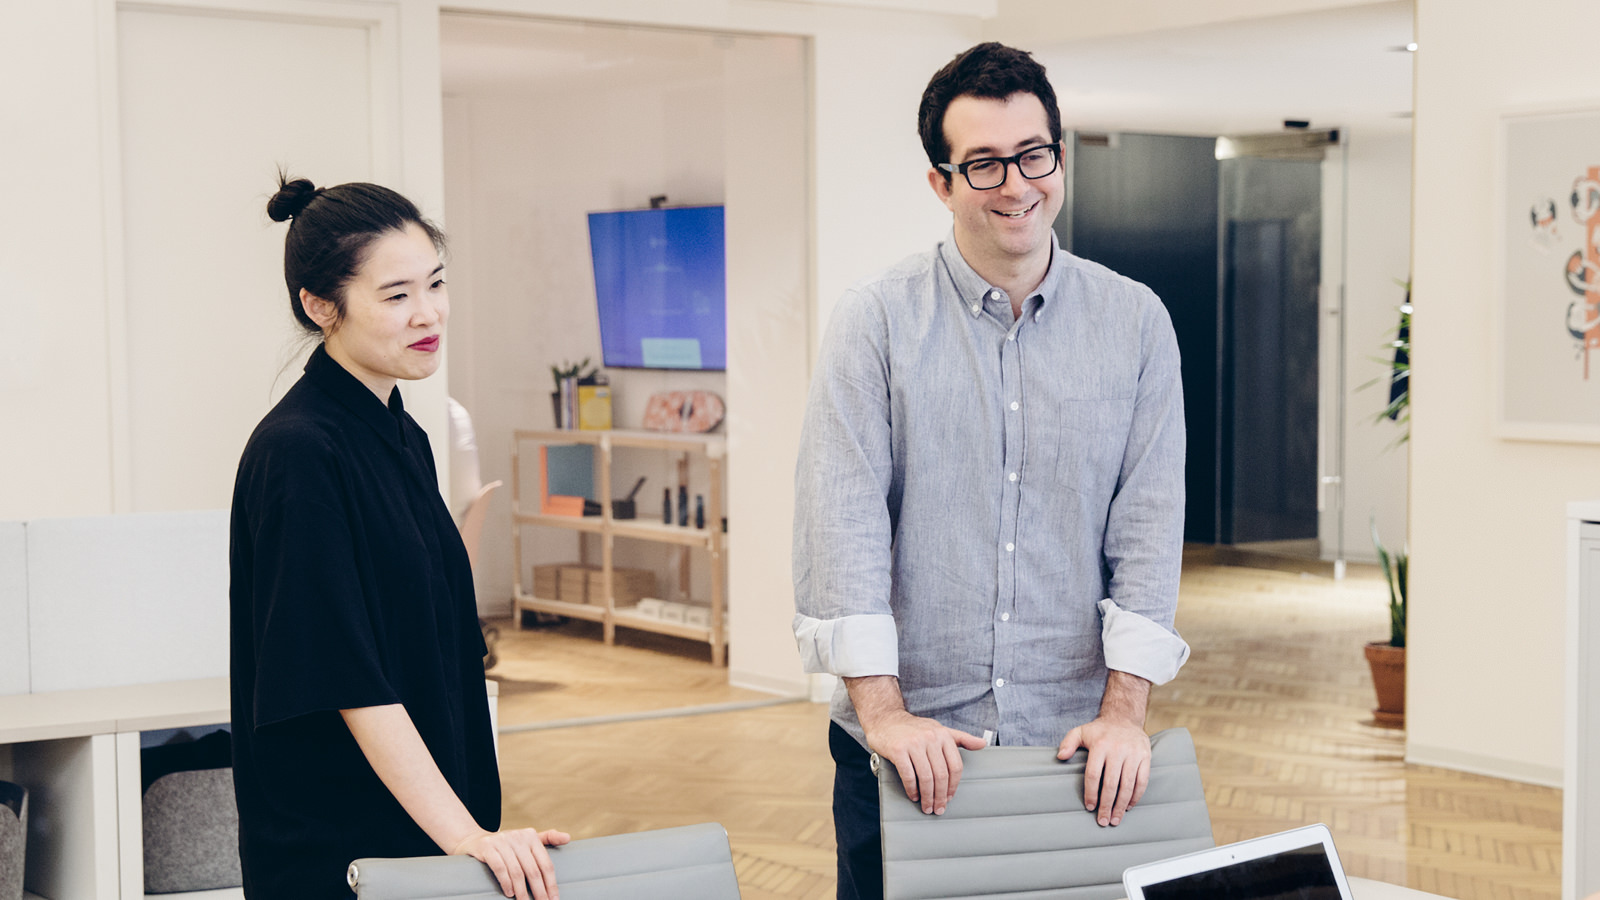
394 312
1005 232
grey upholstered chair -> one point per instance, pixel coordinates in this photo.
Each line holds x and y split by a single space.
1017 827
689 863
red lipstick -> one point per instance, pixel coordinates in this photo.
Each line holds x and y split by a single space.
427 344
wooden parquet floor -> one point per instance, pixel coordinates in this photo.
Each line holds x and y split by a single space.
1276 695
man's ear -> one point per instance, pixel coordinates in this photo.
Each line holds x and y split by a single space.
941 182
323 312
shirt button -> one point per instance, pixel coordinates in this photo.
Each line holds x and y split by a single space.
1015 406
1011 337
1005 617
1013 476
975 308
1011 548
999 682
994 295
1036 317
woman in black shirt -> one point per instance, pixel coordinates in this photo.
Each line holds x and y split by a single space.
360 720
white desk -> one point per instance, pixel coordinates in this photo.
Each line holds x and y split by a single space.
1367 889
77 752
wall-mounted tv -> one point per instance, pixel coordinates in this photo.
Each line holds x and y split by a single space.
661 284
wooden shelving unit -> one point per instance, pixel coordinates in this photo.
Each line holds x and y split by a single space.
709 539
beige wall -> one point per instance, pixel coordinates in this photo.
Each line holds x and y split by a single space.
145 317
1034 22
1487 529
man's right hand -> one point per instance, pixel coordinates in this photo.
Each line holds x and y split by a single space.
923 751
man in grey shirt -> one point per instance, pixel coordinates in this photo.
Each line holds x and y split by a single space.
989 497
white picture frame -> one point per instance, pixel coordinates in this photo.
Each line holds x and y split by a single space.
1547 246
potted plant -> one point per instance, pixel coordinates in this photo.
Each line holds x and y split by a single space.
1387 659
571 373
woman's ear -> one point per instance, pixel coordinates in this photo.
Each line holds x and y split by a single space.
323 312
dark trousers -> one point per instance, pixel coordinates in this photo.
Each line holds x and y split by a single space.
855 818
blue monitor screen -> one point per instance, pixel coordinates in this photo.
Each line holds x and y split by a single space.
660 280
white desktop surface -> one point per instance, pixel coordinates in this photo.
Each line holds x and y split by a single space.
1367 889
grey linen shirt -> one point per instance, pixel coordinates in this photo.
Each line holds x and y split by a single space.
991 507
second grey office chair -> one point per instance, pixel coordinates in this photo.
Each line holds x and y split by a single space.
689 863
1017 827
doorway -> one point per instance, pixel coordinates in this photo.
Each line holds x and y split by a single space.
1242 239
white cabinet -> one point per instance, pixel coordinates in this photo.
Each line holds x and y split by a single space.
1580 851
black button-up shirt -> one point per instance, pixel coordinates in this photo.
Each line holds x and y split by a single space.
350 588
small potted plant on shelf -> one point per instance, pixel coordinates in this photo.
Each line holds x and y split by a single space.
567 375
1387 659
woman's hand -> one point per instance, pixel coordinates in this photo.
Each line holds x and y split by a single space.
518 860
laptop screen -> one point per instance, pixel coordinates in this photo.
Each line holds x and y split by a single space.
1300 874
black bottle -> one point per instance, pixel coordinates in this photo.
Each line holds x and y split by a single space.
699 511
666 506
683 505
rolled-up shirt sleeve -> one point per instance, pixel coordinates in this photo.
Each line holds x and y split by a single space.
1144 525
1138 646
843 622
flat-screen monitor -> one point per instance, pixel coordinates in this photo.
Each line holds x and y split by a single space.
661 285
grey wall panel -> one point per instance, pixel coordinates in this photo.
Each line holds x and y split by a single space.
13 608
128 599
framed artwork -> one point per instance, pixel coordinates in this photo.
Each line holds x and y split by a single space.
1548 332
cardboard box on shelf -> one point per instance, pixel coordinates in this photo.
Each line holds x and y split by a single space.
575 584
547 581
628 586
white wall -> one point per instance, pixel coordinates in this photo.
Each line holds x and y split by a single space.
1487 609
145 306
56 456
1032 22
1377 209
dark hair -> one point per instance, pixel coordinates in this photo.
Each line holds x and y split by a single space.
989 71
331 232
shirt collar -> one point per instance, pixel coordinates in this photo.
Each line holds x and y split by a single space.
971 288
325 372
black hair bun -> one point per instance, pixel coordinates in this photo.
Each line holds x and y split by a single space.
292 197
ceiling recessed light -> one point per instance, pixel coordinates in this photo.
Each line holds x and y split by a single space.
1411 47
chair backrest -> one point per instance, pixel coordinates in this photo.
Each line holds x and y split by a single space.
1017 827
693 862
472 520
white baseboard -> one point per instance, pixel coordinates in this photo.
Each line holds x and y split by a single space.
1479 764
783 687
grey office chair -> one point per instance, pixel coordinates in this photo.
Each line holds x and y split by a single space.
689 863
1017 827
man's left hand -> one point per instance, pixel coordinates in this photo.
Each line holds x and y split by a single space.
1119 750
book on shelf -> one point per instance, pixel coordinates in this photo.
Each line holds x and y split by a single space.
566 478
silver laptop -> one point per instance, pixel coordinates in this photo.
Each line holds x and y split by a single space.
1291 865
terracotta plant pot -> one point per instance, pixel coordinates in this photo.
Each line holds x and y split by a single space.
1388 666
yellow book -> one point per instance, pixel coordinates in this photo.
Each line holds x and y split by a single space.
594 407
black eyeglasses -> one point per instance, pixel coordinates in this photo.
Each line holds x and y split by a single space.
988 173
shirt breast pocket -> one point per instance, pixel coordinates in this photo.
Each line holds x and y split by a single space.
1090 438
